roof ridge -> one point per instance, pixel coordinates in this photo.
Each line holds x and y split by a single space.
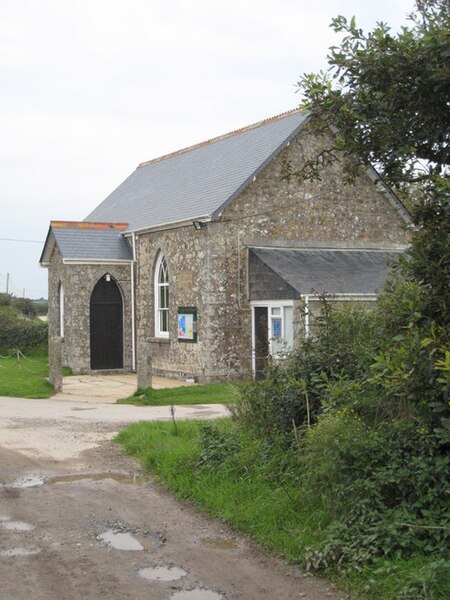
88 225
220 137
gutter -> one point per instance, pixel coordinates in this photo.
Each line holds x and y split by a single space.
95 261
133 307
169 225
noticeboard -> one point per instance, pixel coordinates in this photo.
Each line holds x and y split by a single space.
187 324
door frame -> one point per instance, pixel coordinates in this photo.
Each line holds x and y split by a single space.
266 304
112 279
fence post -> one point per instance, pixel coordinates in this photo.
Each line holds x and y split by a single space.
144 366
55 363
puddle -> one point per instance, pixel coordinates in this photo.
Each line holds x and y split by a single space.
28 482
219 543
17 526
162 573
197 594
118 477
77 409
120 541
36 480
13 552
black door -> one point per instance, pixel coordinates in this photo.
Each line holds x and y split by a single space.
106 325
261 340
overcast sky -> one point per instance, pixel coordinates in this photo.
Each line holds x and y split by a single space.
90 88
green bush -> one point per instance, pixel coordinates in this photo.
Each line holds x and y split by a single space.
326 373
387 489
25 306
22 335
19 333
8 315
5 299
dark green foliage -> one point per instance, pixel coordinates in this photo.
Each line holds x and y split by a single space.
25 306
325 372
386 97
23 336
411 371
5 299
387 489
16 334
429 262
216 445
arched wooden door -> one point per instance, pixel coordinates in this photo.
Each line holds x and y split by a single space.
106 325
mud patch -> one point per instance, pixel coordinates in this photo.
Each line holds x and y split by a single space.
18 526
117 477
162 573
197 594
219 543
28 481
120 541
9 493
14 552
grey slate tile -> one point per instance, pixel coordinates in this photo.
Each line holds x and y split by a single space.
196 182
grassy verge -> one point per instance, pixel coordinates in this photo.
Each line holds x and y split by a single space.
247 484
211 393
253 503
25 377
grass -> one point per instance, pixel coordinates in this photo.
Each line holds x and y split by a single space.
248 499
210 393
25 376
249 486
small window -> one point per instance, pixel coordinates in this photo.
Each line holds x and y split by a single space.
161 298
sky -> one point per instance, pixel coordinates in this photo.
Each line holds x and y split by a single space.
91 88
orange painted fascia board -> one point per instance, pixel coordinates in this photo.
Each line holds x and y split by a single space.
88 225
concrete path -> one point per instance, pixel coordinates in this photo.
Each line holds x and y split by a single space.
64 428
79 520
107 388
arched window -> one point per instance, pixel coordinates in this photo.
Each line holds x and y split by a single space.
61 310
161 298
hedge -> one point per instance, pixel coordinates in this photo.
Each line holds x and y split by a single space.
22 336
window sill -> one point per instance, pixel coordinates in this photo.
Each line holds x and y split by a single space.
159 340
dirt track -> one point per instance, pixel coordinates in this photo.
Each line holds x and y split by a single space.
55 510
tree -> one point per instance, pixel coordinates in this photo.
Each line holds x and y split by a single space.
386 99
25 306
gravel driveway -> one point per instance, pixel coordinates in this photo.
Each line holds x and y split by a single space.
79 520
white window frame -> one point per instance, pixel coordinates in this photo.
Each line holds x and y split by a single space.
156 287
269 304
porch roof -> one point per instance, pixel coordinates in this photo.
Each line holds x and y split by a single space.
87 241
319 271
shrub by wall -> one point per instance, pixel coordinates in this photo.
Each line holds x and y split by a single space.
22 335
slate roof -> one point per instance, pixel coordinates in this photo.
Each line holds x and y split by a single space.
199 181
88 241
329 271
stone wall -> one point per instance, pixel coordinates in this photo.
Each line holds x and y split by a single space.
208 268
78 282
192 283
